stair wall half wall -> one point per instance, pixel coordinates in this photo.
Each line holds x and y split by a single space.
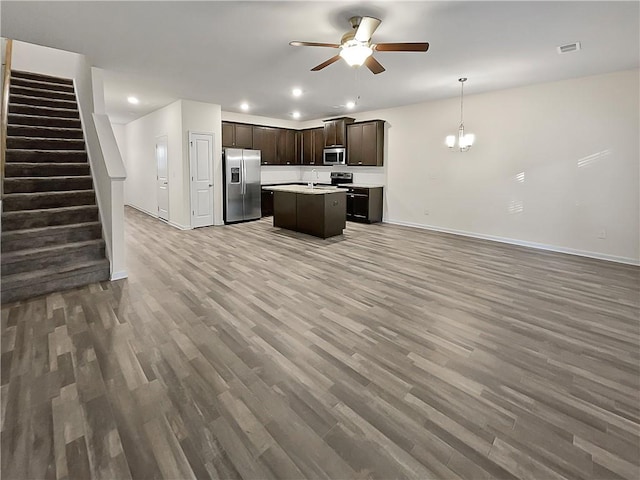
107 167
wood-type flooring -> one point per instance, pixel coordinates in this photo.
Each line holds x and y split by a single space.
251 352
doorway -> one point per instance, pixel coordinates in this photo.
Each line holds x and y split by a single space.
162 162
201 173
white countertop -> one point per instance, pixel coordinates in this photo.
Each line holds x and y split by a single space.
317 190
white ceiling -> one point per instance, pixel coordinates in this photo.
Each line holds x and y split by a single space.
230 52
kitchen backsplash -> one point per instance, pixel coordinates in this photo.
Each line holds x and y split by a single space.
285 174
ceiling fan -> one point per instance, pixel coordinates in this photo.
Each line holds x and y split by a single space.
356 47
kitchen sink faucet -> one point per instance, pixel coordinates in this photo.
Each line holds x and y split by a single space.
311 180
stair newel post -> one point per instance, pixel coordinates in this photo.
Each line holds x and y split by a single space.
5 110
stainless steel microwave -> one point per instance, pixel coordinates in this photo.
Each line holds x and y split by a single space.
334 156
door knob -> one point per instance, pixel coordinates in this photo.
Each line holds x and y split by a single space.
211 184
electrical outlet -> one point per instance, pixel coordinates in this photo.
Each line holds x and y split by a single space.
426 212
602 233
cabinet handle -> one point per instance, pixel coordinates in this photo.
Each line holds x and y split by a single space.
359 163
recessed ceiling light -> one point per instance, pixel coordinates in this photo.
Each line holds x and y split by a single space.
295 114
296 92
133 100
350 105
244 106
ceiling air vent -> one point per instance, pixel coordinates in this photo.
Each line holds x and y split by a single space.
569 47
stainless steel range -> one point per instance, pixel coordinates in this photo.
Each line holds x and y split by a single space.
340 178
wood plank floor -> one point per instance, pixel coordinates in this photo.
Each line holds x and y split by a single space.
249 352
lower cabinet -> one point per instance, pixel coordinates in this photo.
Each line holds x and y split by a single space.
267 203
364 204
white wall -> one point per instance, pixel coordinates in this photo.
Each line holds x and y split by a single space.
554 165
198 117
140 159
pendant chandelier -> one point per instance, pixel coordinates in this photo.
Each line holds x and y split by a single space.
464 140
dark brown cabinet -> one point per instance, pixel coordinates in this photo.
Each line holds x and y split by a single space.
265 139
365 143
312 146
335 131
286 148
364 204
267 203
237 135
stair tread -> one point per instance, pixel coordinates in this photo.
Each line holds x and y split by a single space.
26 115
50 210
42 164
43 194
44 127
50 177
10 257
22 95
48 139
43 150
40 275
51 229
30 75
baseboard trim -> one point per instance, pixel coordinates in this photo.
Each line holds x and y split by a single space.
155 215
522 243
119 275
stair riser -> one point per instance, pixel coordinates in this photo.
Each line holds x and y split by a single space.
20 185
41 132
48 170
58 259
45 144
33 120
43 111
48 200
13 241
22 220
13 292
39 156
38 92
40 77
44 102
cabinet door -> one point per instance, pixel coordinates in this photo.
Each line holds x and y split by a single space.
286 147
264 139
370 151
318 146
228 139
330 134
298 147
243 136
307 147
354 144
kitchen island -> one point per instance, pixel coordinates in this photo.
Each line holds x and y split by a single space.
320 211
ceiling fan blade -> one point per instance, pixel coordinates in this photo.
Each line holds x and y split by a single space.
313 44
374 65
326 64
365 30
401 47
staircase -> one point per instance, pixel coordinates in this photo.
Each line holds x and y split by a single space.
51 232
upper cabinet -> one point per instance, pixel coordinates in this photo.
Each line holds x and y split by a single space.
312 146
265 139
365 142
335 131
286 147
237 135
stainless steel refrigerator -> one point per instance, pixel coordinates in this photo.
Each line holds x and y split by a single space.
242 189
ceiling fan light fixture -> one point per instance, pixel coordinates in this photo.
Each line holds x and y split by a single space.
355 53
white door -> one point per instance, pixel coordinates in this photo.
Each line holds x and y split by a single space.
201 163
163 177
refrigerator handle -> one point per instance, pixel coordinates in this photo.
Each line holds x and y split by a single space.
244 177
